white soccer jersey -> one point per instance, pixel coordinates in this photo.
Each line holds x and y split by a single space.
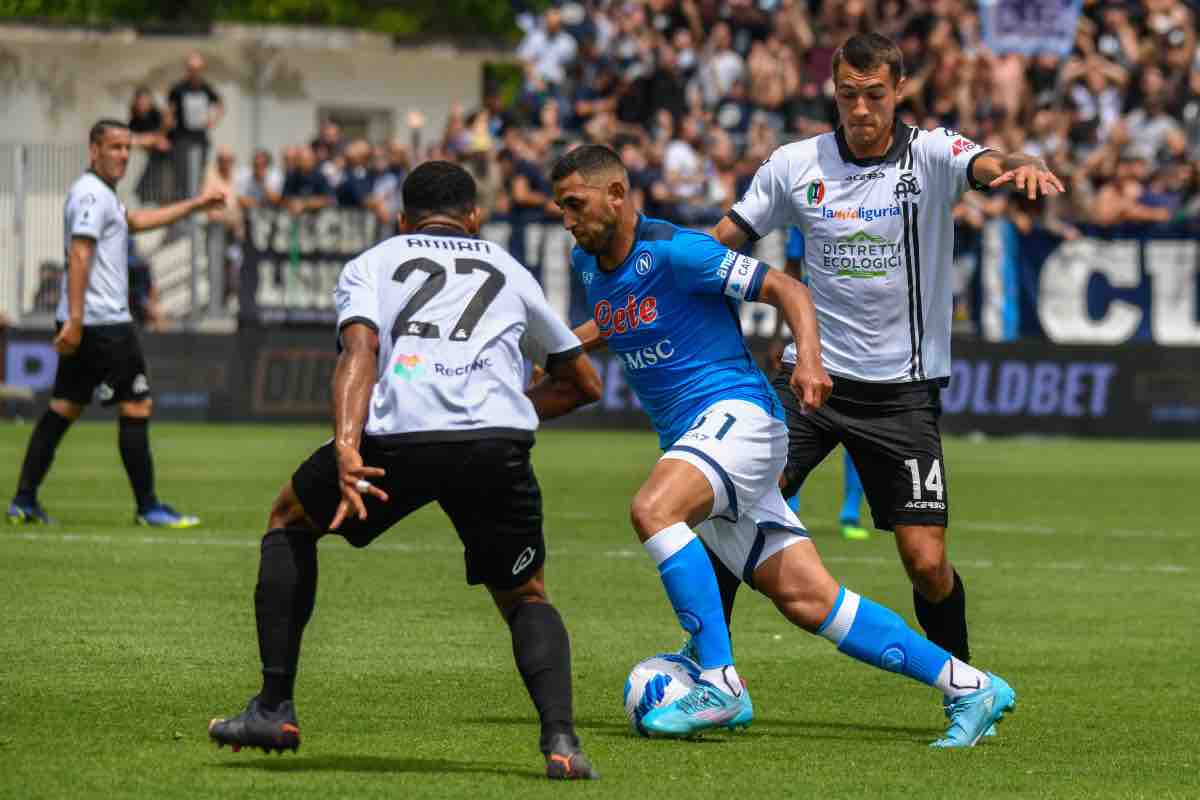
455 316
878 245
93 211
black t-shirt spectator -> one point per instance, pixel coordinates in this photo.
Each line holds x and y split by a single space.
306 184
191 106
532 174
356 186
150 122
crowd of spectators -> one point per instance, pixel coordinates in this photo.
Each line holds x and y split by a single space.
695 94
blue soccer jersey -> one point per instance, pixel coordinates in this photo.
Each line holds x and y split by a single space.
670 312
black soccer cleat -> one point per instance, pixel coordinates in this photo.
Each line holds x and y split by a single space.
257 727
566 762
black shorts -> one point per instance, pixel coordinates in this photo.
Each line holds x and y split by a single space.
108 365
486 487
891 433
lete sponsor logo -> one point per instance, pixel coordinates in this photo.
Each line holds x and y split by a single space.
628 317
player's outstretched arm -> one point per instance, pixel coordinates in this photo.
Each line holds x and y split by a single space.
353 379
1026 173
809 380
144 219
568 384
79 266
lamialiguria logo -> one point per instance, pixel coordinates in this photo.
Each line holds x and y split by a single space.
816 193
409 367
860 255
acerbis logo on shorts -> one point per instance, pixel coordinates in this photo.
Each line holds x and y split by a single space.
104 393
140 384
926 505
523 560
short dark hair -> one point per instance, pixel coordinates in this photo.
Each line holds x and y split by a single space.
438 187
587 160
867 52
96 134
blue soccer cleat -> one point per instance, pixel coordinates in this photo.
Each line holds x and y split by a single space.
746 715
27 512
947 703
703 708
161 515
972 714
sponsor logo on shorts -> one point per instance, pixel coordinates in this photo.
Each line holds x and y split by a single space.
408 366
104 393
140 384
523 560
926 505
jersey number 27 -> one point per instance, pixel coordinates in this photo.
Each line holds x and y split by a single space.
405 325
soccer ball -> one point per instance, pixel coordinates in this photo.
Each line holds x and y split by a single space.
657 681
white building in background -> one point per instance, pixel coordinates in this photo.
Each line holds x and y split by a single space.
277 82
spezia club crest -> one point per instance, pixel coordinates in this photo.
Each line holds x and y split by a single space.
907 187
644 264
816 193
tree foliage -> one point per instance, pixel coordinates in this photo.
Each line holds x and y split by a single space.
403 18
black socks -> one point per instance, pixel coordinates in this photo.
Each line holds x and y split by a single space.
283 604
543 655
133 440
40 454
945 623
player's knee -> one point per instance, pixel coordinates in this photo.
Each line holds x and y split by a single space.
929 570
137 408
646 516
802 608
286 511
66 409
509 600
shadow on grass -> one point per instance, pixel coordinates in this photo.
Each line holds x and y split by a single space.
378 765
819 729
590 727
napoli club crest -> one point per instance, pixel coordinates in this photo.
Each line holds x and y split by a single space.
644 264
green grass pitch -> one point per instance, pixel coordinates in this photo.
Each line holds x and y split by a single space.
117 644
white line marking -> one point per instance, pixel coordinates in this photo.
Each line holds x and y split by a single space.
1046 530
575 550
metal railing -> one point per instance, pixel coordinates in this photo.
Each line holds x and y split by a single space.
185 258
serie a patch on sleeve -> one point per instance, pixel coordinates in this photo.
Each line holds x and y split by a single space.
742 275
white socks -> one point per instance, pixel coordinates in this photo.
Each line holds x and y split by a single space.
958 678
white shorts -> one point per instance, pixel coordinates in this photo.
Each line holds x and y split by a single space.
741 449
